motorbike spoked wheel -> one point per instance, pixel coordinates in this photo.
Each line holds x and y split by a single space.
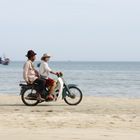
29 97
75 97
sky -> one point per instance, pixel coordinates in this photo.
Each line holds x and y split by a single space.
71 30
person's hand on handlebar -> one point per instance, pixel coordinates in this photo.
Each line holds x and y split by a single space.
59 73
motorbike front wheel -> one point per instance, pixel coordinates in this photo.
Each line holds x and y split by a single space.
28 97
75 97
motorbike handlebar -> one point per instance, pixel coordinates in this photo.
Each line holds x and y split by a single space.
59 74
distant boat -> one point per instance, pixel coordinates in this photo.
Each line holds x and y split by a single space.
6 61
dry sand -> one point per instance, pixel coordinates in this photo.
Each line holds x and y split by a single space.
96 118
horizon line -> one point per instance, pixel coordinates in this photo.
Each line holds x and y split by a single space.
79 61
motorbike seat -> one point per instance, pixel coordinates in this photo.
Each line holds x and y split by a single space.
24 85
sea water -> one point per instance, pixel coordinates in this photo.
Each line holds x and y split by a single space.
116 79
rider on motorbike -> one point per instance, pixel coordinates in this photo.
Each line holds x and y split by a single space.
44 71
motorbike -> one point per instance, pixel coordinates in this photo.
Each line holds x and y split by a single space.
70 93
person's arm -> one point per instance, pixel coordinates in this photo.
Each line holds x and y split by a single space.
37 73
47 68
25 72
55 73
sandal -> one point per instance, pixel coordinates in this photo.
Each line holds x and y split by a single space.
40 99
50 97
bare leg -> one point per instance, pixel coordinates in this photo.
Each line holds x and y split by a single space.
52 88
51 91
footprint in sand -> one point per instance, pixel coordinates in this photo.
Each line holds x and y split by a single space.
16 109
50 111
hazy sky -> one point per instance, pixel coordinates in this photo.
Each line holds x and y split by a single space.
89 30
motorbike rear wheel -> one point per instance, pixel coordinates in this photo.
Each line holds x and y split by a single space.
28 97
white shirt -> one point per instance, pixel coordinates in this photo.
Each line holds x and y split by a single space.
44 69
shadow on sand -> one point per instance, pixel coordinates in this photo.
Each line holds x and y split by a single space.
39 105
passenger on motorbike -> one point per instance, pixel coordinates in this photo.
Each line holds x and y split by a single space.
30 75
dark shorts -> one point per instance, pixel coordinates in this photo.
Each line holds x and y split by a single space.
40 85
49 82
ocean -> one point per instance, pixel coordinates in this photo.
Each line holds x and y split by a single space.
113 79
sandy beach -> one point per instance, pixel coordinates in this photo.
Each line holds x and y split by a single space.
96 118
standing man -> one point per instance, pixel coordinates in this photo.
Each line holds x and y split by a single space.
31 75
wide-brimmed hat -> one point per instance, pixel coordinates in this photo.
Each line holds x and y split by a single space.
30 53
46 56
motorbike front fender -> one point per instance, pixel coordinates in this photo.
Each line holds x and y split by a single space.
64 94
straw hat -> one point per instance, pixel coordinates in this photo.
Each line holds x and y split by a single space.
46 56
